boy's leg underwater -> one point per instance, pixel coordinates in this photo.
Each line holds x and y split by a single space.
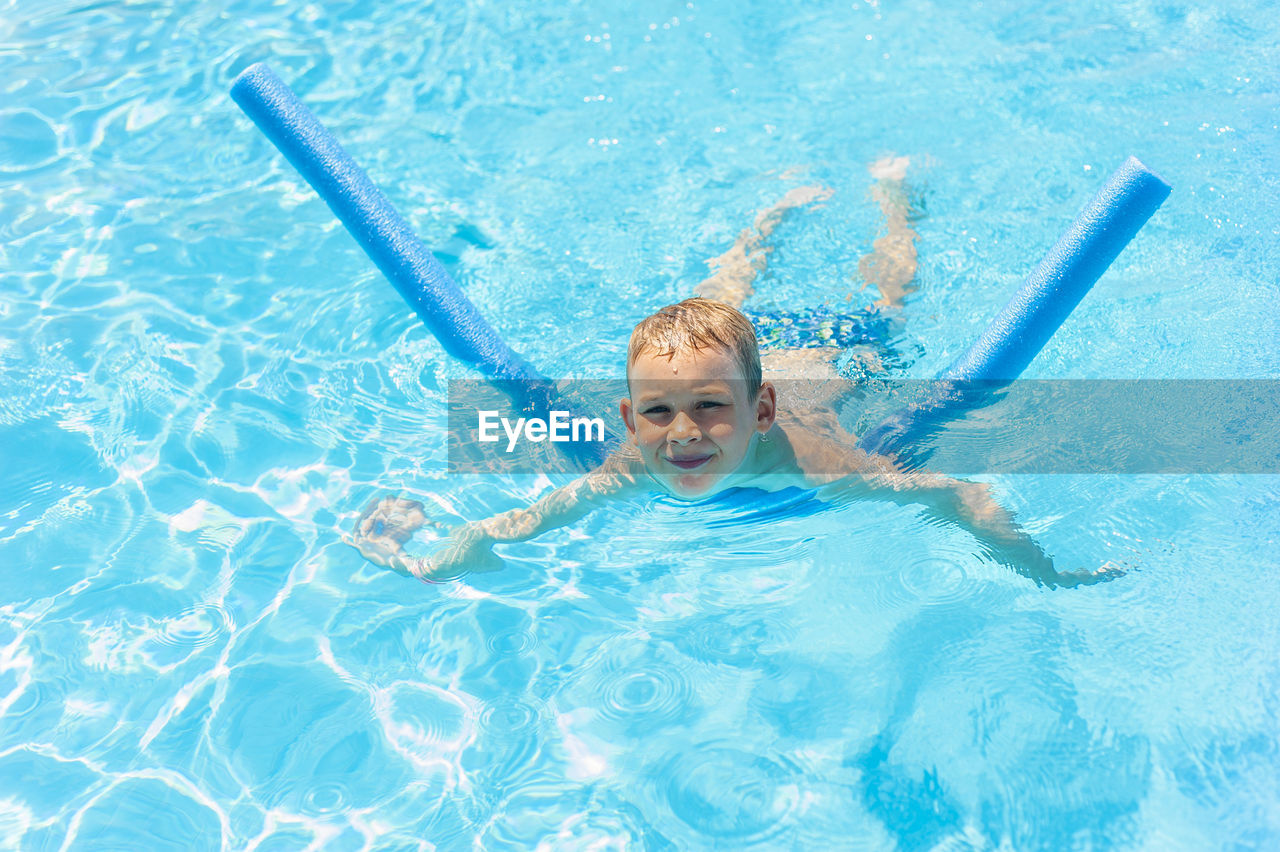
734 272
891 265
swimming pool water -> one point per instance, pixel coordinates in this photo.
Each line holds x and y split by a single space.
203 381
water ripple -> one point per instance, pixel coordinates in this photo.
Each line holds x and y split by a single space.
639 686
195 627
727 793
656 694
509 719
728 639
510 741
934 567
327 798
515 642
424 723
549 815
936 580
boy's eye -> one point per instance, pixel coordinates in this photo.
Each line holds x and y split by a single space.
663 410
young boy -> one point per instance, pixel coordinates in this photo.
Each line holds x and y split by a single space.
700 418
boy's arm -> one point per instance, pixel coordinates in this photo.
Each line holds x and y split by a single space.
969 505
563 506
469 546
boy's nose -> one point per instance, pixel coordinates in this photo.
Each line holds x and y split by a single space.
683 430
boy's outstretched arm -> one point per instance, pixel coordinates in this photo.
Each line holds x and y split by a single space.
970 506
386 525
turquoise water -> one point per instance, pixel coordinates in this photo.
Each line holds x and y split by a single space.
203 381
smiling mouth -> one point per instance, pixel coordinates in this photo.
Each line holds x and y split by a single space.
690 463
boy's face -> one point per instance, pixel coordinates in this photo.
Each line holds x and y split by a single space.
693 418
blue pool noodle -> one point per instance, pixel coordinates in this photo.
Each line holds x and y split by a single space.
1049 294
377 227
1008 345
1094 240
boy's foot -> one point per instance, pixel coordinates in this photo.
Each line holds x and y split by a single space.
890 168
890 190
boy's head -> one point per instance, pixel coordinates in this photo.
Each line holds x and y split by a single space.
697 324
697 396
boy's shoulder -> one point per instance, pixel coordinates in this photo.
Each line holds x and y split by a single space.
822 451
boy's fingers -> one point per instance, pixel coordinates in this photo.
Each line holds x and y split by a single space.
383 548
399 533
439 516
394 520
403 506
1099 575
412 517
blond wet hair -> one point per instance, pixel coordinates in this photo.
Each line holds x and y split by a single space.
696 324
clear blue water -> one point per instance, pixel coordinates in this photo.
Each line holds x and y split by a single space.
202 381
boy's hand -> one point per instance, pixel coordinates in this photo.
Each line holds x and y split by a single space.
1071 579
379 550
383 528
392 518
1021 553
387 523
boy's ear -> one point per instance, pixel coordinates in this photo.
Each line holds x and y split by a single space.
628 415
766 406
